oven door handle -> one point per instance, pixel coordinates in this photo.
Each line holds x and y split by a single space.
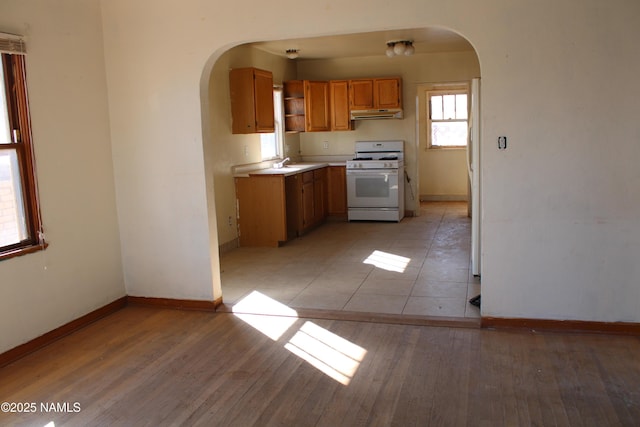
372 171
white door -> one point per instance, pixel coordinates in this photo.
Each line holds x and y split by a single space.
473 163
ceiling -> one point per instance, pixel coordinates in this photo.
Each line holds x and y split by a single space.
425 40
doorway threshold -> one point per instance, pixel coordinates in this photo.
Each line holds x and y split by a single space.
370 317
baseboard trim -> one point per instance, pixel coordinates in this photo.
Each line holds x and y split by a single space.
22 350
579 326
178 304
229 246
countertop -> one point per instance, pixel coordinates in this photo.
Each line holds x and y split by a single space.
288 169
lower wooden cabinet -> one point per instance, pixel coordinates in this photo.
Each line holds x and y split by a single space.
313 199
320 193
273 208
337 190
308 202
262 208
293 194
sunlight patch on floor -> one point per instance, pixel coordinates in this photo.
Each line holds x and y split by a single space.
387 261
331 354
336 357
267 315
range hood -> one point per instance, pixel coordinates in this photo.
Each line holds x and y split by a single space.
377 114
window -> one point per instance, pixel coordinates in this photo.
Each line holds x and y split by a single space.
20 224
447 118
271 143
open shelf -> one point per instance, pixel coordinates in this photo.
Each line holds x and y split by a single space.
294 114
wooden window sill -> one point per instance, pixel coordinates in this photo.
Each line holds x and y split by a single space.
23 251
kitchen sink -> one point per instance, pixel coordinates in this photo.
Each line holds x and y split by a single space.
288 169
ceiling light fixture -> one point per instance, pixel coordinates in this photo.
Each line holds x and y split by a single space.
292 53
400 47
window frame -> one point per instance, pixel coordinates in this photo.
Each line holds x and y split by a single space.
441 91
278 122
15 85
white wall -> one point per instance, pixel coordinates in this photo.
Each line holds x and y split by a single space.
81 270
560 206
154 68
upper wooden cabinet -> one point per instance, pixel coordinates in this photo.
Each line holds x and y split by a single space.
306 106
293 91
371 93
387 93
316 103
361 94
339 105
321 106
251 91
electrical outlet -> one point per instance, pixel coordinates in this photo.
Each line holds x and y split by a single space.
246 151
325 145
502 142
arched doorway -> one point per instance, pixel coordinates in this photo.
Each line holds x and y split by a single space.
452 60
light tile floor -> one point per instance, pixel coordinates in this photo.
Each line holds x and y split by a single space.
417 267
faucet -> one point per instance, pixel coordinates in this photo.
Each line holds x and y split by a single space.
281 164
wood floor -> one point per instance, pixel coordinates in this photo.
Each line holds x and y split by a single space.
146 366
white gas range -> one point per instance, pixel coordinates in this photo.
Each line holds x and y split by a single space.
375 181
